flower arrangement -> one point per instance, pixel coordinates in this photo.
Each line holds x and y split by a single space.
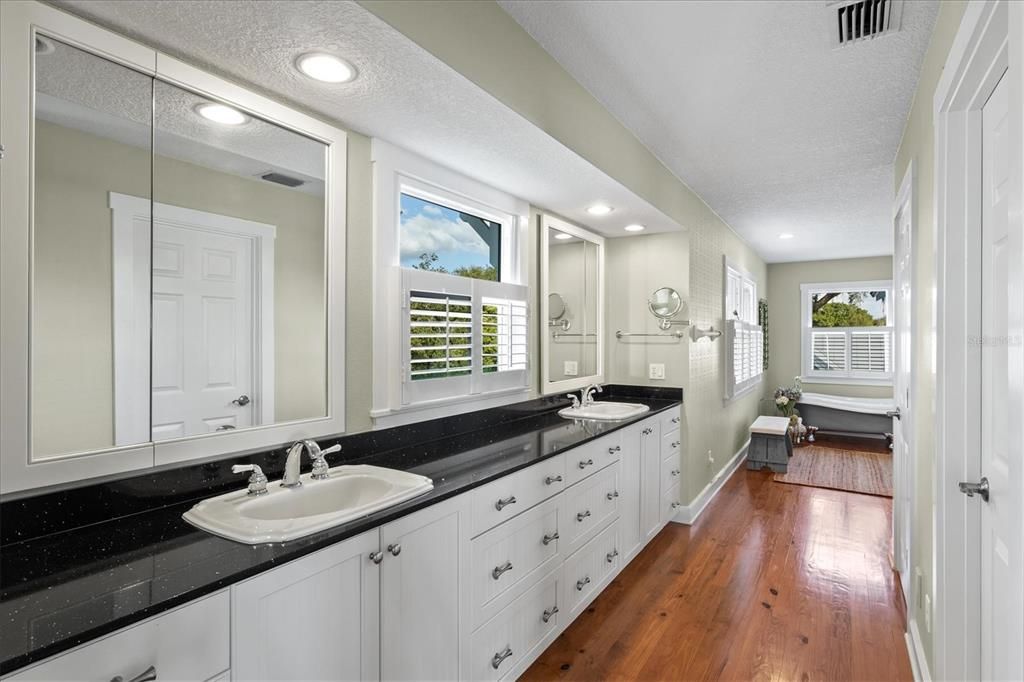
786 398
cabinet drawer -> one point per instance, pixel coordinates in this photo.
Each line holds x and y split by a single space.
509 496
670 503
671 420
670 444
504 559
671 471
588 458
500 648
589 570
190 643
587 507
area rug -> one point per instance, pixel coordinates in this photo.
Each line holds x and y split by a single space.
840 469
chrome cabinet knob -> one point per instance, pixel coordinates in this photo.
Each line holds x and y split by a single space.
582 515
553 479
675 472
612 495
499 570
971 489
504 502
395 549
675 420
610 556
586 463
500 657
241 401
677 505
549 538
376 557
226 427
548 613
581 583
147 675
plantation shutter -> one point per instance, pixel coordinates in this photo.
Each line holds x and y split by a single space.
745 361
438 327
828 351
504 339
870 351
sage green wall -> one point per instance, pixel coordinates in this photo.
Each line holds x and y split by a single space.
784 280
918 145
494 52
359 286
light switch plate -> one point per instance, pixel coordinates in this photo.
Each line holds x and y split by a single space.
656 370
570 368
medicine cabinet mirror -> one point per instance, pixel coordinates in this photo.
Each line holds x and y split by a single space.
572 300
184 236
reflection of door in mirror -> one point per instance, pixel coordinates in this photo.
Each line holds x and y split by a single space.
572 273
239 317
83 137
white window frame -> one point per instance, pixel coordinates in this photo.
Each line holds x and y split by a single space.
812 376
396 172
739 295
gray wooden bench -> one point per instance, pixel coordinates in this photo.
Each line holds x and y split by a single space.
770 445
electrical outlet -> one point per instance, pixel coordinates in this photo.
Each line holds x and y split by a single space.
656 370
570 368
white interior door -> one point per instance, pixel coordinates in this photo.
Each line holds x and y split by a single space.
203 330
903 464
1002 611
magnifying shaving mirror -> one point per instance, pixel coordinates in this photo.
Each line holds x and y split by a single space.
665 304
557 310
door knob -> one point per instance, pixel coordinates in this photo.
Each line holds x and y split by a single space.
241 400
980 488
895 414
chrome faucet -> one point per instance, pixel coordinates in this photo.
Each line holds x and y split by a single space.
293 465
588 394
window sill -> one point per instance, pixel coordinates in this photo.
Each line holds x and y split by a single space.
849 381
745 392
446 407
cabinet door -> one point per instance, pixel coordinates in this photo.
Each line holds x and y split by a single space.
421 602
630 470
315 618
650 479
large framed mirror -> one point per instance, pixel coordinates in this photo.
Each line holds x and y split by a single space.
180 294
572 305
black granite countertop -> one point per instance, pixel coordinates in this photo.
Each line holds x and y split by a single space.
62 588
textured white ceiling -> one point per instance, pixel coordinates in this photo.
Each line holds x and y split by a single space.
749 105
403 93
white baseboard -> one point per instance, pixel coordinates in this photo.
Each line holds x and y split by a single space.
918 661
688 514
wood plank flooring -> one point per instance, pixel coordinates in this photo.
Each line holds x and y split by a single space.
774 582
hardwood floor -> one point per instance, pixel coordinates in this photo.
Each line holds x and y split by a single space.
774 582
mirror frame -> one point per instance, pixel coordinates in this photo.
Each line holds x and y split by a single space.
20 22
547 386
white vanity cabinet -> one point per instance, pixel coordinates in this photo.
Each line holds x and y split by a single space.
312 619
187 643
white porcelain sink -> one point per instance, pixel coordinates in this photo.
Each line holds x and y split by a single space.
288 513
604 411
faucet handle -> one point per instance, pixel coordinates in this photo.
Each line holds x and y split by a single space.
257 481
575 400
321 469
334 448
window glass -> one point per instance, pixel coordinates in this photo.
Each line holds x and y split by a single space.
441 239
849 309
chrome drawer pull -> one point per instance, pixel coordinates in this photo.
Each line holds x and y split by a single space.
582 515
548 613
675 420
147 675
611 555
395 549
549 538
612 495
648 431
612 451
580 584
498 570
585 464
376 557
500 657
677 505
502 503
675 472
553 479
675 444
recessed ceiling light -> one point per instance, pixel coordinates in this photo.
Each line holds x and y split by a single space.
786 235
635 227
599 209
563 235
326 67
221 113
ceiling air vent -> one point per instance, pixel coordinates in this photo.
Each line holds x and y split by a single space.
861 20
282 179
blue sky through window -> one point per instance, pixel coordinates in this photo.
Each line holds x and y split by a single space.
459 240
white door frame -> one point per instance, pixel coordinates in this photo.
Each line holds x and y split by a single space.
903 470
132 302
979 55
